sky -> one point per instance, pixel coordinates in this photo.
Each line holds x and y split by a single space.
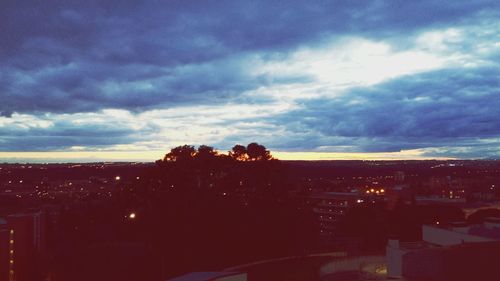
128 80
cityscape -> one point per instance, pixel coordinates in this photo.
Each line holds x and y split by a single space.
198 214
249 140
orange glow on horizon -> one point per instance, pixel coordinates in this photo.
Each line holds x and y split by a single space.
150 156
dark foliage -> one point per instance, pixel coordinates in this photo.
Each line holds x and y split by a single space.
198 209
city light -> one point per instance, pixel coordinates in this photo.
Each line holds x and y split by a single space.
131 216
117 178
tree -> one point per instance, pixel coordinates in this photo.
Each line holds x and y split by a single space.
256 151
206 152
180 153
239 153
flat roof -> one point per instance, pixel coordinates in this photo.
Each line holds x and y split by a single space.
204 276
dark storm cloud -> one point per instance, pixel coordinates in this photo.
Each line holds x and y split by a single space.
439 108
80 87
63 135
82 56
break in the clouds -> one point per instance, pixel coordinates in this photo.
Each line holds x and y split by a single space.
322 76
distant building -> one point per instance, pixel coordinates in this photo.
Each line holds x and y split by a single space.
452 252
22 242
329 208
5 251
399 176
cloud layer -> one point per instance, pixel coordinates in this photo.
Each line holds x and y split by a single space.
340 76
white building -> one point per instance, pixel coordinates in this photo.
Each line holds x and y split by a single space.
452 252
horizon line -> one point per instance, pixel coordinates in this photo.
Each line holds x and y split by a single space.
151 156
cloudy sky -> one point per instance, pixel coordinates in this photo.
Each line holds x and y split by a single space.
116 80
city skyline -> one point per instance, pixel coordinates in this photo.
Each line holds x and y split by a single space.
366 80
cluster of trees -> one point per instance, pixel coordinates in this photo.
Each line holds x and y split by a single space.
199 208
251 152
243 170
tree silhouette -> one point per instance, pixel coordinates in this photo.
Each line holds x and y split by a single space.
256 152
180 153
239 153
206 152
252 152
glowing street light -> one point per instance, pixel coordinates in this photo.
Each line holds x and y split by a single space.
131 216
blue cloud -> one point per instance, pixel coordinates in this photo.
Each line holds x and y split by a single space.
440 108
87 56
58 56
63 134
